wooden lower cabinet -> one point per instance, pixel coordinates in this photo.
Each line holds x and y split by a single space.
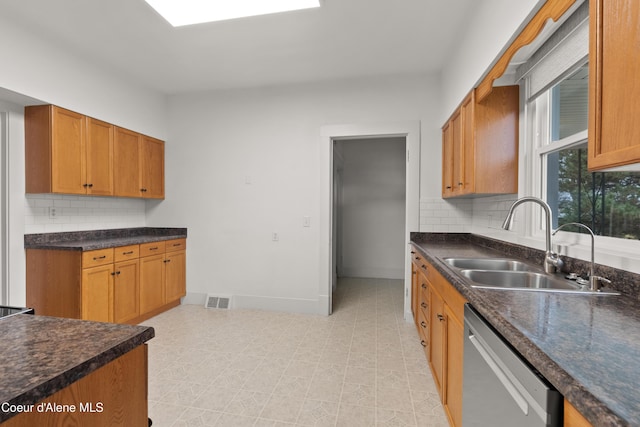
175 275
117 393
439 316
126 291
452 396
119 285
97 293
152 278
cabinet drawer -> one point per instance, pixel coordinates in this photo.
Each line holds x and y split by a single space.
123 253
176 245
153 248
98 257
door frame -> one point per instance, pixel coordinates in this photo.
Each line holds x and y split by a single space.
410 130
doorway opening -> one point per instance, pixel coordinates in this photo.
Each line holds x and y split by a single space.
372 190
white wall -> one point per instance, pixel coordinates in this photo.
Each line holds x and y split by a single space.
486 36
243 164
43 71
373 208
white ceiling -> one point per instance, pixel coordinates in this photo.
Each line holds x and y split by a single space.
342 39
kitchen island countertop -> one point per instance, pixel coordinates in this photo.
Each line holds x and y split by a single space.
42 355
586 346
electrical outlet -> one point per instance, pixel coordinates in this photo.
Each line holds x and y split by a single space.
52 212
275 237
306 221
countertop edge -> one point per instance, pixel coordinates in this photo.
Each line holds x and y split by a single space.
592 408
47 388
101 239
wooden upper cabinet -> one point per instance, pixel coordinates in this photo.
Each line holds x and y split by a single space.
126 159
480 145
69 153
139 161
99 157
614 88
54 150
152 167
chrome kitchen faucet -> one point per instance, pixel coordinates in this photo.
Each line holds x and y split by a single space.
552 261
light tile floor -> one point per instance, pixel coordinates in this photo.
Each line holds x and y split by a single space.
361 366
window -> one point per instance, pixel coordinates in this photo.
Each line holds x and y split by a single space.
607 202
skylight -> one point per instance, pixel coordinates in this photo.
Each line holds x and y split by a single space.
187 12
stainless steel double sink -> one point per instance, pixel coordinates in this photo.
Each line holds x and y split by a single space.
511 274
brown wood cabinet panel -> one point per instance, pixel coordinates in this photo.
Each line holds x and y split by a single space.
175 245
573 418
467 180
97 257
97 293
99 158
123 253
67 152
457 140
53 281
126 163
152 248
152 167
119 386
175 275
437 331
480 145
453 367
126 291
614 88
152 280
54 150
447 160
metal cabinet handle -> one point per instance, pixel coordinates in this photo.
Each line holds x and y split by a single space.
99 257
423 343
440 317
424 286
424 325
127 253
153 249
448 187
423 305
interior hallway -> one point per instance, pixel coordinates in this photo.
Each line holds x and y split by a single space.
361 366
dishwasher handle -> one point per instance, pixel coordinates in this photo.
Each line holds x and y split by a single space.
508 385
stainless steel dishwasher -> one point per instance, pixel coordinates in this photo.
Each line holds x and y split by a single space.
499 388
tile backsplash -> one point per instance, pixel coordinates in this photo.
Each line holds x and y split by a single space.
78 213
464 215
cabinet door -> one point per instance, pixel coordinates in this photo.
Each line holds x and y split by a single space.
467 149
614 91
152 157
126 161
447 161
97 296
152 280
437 335
176 275
99 159
456 153
67 152
453 370
126 291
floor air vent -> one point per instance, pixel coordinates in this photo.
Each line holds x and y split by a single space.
214 301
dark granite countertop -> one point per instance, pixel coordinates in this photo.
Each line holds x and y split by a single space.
101 239
41 355
587 346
